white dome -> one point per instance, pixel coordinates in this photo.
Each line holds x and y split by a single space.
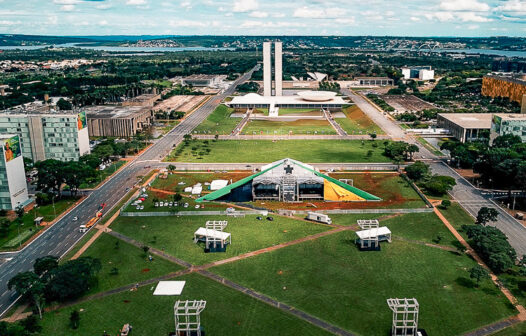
317 96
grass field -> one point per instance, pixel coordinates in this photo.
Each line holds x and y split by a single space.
357 122
266 151
457 216
175 234
227 312
219 122
301 126
331 279
129 260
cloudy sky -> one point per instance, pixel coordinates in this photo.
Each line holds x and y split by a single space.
262 17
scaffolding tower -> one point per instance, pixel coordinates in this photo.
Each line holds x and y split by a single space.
188 317
366 224
212 240
405 316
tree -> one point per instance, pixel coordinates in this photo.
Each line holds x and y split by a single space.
72 279
171 168
445 204
30 287
50 175
478 273
373 136
64 105
5 224
486 215
75 173
177 197
506 141
45 265
74 319
440 185
418 171
493 246
30 325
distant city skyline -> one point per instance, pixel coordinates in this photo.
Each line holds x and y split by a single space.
269 17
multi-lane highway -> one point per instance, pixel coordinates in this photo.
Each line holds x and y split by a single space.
59 238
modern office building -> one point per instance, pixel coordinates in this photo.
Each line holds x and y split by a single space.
511 86
267 69
465 126
13 185
420 73
118 121
204 80
47 134
508 124
144 100
473 126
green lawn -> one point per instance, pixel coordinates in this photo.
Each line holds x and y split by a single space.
175 234
457 216
13 239
227 312
424 227
130 261
356 122
266 151
331 279
302 126
430 147
219 122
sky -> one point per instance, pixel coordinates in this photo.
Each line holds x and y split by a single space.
264 17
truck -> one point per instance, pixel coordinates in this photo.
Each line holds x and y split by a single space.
319 217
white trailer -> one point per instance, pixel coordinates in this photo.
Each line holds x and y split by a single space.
319 217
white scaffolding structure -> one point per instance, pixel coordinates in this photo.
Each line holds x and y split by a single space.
215 240
371 238
366 224
216 225
188 317
405 316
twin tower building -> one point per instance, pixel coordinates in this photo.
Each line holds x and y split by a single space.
267 68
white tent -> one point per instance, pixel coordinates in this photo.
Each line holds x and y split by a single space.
382 233
218 184
216 235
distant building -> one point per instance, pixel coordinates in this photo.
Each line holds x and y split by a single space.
507 65
420 73
118 121
508 124
13 185
465 126
203 80
511 86
474 126
142 100
47 134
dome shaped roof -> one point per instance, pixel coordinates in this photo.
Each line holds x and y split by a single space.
317 96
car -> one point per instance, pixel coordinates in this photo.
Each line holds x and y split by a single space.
197 206
229 210
270 218
156 204
176 204
171 204
161 204
142 207
259 218
138 207
186 205
75 218
127 188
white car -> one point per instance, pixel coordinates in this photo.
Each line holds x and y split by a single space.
171 204
186 205
156 204
138 207
161 204
197 206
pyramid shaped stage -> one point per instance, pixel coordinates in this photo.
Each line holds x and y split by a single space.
289 180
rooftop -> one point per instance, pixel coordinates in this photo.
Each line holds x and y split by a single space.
36 109
143 97
201 77
115 112
310 97
469 120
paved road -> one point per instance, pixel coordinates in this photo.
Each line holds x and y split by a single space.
58 239
469 197
472 200
252 166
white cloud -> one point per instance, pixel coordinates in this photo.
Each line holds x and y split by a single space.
243 6
464 5
136 2
267 24
67 8
103 23
258 14
9 23
104 6
415 19
513 6
456 16
186 4
65 2
473 27
318 13
350 21
278 15
186 23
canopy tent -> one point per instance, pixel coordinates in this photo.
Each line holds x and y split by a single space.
382 233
